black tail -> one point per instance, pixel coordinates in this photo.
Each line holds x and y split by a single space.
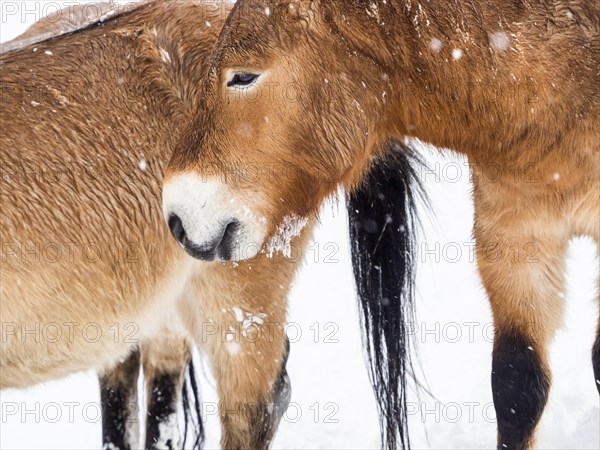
382 237
192 414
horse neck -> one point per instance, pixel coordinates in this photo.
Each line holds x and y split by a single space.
466 75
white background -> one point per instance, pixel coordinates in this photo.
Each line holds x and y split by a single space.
331 378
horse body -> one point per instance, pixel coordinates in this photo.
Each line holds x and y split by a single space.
96 264
89 119
166 356
512 85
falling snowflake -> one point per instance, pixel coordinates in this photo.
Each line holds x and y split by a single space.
435 44
499 41
233 348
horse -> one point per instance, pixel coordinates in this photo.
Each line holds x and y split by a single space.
165 358
89 270
323 87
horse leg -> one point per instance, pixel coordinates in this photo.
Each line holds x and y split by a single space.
596 347
251 411
165 360
119 400
239 324
252 398
522 268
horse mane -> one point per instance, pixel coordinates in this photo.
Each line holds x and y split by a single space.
382 219
71 19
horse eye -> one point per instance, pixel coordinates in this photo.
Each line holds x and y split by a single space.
242 79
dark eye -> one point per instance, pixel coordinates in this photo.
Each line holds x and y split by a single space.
242 79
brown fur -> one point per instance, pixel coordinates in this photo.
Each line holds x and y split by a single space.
527 115
167 355
75 128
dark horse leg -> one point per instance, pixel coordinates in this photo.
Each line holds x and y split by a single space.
250 424
165 362
119 399
522 269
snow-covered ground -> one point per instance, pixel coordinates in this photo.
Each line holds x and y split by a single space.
332 404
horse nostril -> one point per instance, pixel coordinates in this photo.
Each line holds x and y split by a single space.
230 230
176 227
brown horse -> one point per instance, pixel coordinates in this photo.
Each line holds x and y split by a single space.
89 271
320 88
164 358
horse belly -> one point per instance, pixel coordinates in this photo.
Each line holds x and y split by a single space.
90 318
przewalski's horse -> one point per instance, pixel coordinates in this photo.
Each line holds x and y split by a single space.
323 86
89 270
164 358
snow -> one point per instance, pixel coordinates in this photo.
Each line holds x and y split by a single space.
168 431
457 54
435 44
165 56
373 10
332 404
239 314
106 15
499 41
289 228
233 348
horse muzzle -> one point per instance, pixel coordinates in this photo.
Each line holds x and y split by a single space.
222 247
209 223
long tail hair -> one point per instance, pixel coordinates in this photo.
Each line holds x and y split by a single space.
382 216
192 413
